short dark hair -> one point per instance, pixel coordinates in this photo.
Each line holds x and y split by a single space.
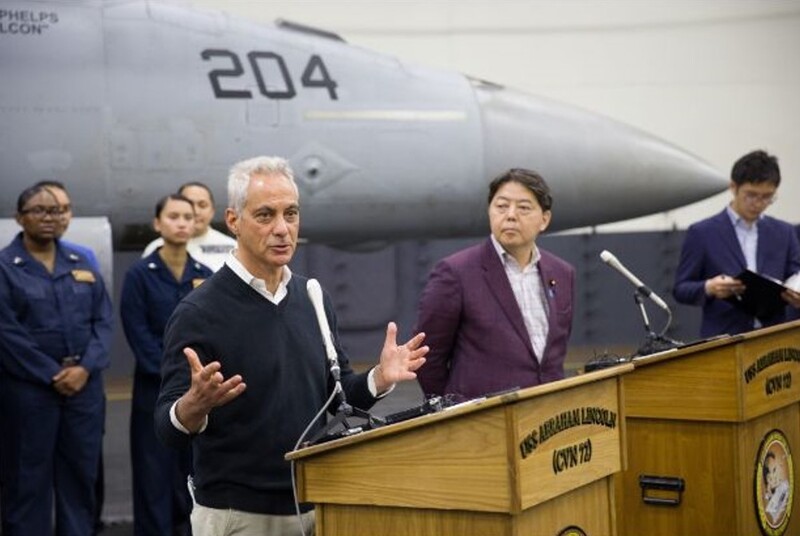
175 197
29 192
756 167
527 178
51 183
199 184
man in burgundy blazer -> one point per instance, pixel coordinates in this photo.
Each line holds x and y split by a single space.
480 340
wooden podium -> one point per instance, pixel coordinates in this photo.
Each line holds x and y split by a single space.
535 461
711 432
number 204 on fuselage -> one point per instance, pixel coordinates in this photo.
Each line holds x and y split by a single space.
125 100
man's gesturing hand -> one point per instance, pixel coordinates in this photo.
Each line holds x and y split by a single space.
209 389
399 362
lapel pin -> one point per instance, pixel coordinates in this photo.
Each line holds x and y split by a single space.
552 290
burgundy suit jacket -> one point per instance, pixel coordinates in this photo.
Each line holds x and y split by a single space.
477 337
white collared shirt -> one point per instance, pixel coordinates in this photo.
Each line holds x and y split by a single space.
747 234
526 284
259 285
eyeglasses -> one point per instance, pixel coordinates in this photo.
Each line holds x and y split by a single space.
766 199
39 211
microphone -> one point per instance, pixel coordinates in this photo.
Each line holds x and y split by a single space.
344 410
641 288
315 295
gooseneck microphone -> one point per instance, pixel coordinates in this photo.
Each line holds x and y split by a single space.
641 288
315 295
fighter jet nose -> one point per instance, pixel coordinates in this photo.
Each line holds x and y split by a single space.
599 170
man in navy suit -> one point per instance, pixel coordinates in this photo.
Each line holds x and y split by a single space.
793 313
740 237
498 315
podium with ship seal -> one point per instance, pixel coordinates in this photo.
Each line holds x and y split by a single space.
711 431
534 461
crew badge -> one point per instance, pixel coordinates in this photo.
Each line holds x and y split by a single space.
774 484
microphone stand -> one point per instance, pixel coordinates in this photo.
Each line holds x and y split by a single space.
654 342
343 411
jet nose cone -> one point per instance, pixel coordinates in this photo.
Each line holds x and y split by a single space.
598 169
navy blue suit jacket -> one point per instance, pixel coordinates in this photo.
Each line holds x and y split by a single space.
711 248
794 314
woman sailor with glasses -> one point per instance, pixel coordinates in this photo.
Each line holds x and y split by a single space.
55 335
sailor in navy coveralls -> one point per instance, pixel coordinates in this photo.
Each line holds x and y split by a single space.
152 289
55 335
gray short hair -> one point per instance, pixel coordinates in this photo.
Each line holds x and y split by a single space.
241 172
